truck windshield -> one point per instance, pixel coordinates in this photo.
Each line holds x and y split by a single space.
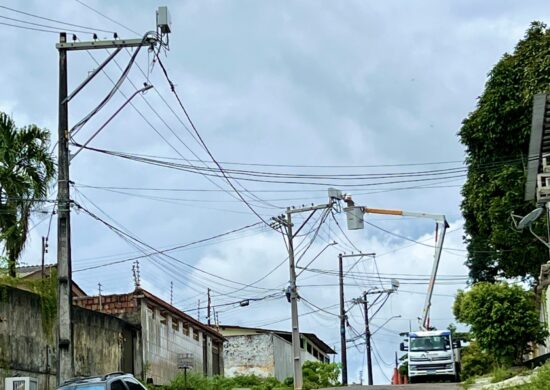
429 343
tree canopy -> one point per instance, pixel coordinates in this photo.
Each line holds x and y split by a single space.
26 169
503 319
496 136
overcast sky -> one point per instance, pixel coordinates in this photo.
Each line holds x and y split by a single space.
359 87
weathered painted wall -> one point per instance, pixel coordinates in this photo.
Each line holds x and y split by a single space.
249 354
282 350
162 344
263 354
27 349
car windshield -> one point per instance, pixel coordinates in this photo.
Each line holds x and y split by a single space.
83 386
429 343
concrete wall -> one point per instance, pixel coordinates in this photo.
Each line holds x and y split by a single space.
102 343
162 344
27 349
249 355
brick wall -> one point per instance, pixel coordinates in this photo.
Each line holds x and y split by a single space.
110 304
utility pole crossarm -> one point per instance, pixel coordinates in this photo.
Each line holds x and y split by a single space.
106 44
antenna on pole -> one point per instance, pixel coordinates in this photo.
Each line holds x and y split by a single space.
171 293
99 295
199 310
138 280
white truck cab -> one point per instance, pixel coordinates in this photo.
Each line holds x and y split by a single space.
432 355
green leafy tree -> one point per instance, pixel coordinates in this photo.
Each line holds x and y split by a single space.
502 318
26 169
496 137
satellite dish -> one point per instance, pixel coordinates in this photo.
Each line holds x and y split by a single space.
530 218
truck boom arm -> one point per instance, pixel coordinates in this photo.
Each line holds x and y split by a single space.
441 225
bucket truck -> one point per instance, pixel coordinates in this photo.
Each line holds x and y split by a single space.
432 354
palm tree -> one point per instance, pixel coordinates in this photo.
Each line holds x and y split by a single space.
26 170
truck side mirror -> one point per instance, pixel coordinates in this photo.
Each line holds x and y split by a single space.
402 347
457 344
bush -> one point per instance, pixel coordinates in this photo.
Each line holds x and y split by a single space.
197 381
316 375
475 362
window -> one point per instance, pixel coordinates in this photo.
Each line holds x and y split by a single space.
185 328
195 334
302 343
117 385
163 319
133 384
309 348
430 343
175 324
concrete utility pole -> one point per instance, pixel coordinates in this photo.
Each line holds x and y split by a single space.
296 349
343 316
65 361
343 319
367 340
65 347
363 300
334 195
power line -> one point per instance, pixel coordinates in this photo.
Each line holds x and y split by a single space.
106 17
55 20
174 248
137 240
29 28
173 88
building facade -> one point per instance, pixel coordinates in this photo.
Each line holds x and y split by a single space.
266 352
169 338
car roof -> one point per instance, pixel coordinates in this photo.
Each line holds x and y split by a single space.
97 379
